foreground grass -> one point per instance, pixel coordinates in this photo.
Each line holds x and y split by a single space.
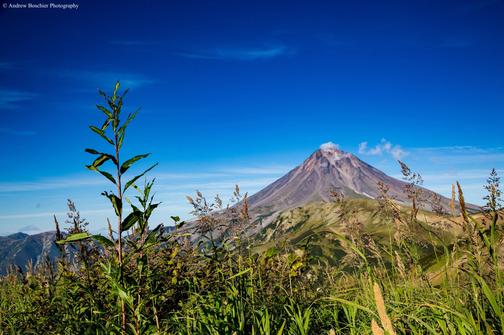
178 288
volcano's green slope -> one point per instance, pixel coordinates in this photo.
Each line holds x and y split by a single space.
322 227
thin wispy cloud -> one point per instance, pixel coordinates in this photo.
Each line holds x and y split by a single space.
383 148
50 184
329 39
50 214
30 229
460 154
98 78
17 132
461 149
475 189
132 43
473 6
457 42
218 185
7 66
451 148
239 54
463 174
176 176
220 177
258 170
10 99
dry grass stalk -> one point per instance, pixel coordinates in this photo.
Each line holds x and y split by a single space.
452 202
400 265
376 329
380 307
463 211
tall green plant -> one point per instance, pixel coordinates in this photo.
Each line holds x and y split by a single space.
113 131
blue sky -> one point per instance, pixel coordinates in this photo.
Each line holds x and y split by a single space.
242 91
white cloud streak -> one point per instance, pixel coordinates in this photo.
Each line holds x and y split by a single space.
10 99
238 54
129 80
17 132
134 43
50 184
50 214
456 175
174 180
7 66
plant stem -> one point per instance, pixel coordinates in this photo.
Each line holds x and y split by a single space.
119 230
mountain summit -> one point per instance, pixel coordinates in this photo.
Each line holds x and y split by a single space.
327 170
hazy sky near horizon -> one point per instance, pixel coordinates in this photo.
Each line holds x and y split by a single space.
243 91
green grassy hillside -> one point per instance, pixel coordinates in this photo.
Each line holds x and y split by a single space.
321 228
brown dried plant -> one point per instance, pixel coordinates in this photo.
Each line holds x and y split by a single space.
382 313
412 189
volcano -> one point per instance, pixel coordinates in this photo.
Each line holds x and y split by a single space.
327 170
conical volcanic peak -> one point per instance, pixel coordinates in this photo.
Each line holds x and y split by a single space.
329 154
326 170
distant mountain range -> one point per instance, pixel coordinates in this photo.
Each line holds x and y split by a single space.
327 170
19 249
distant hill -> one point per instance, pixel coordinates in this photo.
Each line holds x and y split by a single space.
19 249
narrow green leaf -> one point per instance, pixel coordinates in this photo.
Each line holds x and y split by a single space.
121 98
123 295
132 181
103 94
489 294
74 238
101 133
280 331
149 210
240 273
94 152
105 110
152 234
120 139
130 118
103 173
116 202
116 88
108 176
105 124
100 160
130 220
122 130
103 240
135 208
126 165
